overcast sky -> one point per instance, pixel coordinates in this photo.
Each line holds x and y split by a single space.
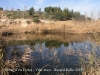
83 6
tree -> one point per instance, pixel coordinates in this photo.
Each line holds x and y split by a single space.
18 10
58 15
65 13
53 11
49 11
31 11
77 15
72 13
1 8
39 11
18 14
24 12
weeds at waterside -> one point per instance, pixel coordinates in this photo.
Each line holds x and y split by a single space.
91 64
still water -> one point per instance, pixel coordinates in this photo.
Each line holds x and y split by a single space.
50 54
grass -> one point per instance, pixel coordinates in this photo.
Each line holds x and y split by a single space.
2 65
92 66
1 54
70 26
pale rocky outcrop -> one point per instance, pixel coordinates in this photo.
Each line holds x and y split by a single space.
18 22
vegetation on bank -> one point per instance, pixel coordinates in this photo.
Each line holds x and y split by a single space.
51 20
51 13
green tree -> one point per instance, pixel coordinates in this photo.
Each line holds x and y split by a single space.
31 11
72 13
1 8
77 15
49 11
58 15
58 9
65 13
24 11
39 12
53 12
18 13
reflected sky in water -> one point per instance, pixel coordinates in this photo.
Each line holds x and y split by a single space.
51 52
56 54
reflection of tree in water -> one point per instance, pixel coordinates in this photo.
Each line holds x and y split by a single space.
55 43
56 55
49 43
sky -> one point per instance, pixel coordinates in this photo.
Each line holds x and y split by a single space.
83 6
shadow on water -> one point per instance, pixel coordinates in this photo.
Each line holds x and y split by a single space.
48 55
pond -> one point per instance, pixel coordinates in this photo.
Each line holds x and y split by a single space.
70 54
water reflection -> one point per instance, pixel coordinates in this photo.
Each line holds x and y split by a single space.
52 56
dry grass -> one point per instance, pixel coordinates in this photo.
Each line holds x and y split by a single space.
55 27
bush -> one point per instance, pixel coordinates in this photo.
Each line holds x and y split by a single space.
36 20
9 16
58 16
28 22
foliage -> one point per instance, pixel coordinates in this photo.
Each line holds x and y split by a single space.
55 13
28 22
1 8
58 16
55 43
9 15
36 20
31 11
65 14
18 14
40 12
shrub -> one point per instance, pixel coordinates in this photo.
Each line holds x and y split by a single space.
28 22
58 16
36 20
9 16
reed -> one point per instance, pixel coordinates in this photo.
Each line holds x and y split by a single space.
92 65
54 27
